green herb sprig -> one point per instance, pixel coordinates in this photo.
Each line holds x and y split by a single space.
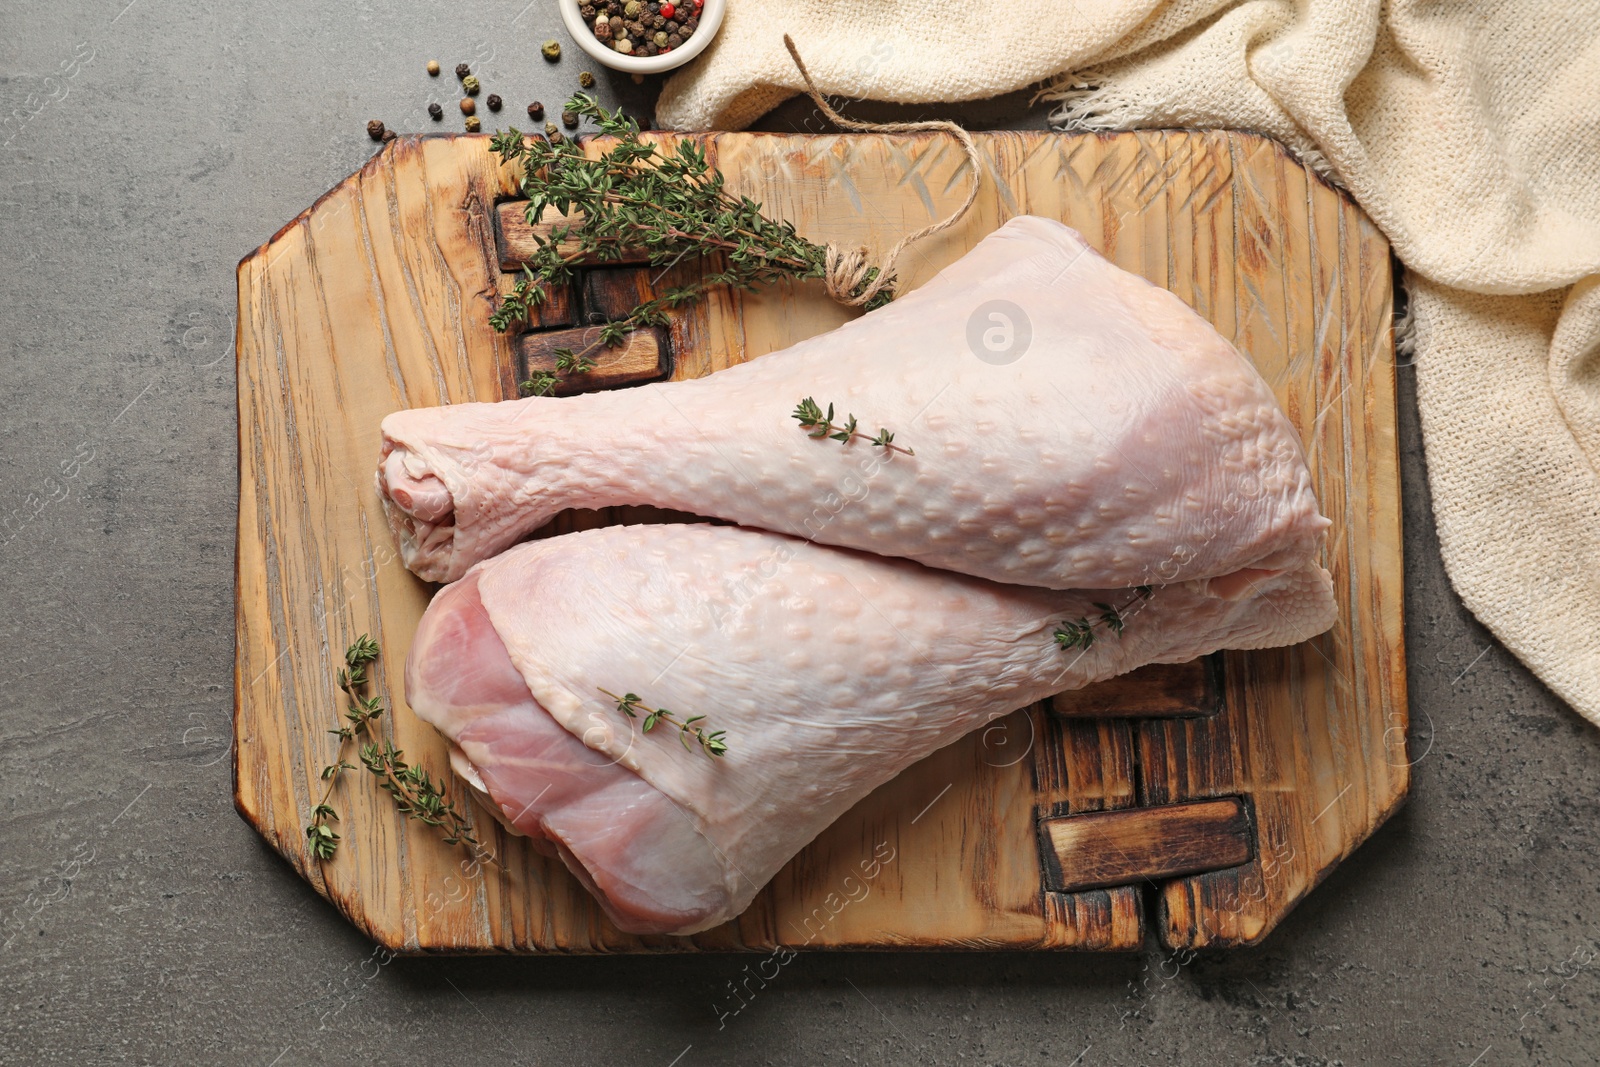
417 795
414 792
818 423
1080 633
712 744
361 712
543 383
635 197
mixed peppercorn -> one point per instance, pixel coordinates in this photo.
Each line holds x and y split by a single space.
642 28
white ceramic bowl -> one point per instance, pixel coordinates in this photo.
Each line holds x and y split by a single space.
710 22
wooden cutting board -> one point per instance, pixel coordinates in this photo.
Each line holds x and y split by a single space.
1198 803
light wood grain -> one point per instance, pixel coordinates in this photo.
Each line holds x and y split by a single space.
377 299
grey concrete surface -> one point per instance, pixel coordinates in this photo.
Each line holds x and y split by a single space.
145 147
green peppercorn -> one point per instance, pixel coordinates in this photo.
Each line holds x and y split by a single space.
433 68
473 125
551 130
586 79
375 130
551 50
470 84
661 38
569 119
632 8
435 112
467 106
462 70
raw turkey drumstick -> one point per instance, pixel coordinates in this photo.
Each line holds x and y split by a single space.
1073 427
824 673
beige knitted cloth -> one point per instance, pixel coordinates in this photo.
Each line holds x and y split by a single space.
1470 132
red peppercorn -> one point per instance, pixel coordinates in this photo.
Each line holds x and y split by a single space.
667 11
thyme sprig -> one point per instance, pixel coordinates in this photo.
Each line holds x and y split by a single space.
417 795
713 743
1080 633
543 383
818 423
361 712
414 792
633 197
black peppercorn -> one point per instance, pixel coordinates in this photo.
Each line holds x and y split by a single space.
435 112
587 11
644 122
671 26
569 119
375 130
536 110
602 30
389 135
673 40
462 70
556 138
493 101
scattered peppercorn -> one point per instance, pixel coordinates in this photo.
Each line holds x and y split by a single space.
569 119
433 68
551 50
473 125
470 84
586 79
494 101
389 135
536 110
467 106
462 70
375 130
435 112
638 79
551 131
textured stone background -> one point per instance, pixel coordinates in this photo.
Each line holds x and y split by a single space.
146 147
